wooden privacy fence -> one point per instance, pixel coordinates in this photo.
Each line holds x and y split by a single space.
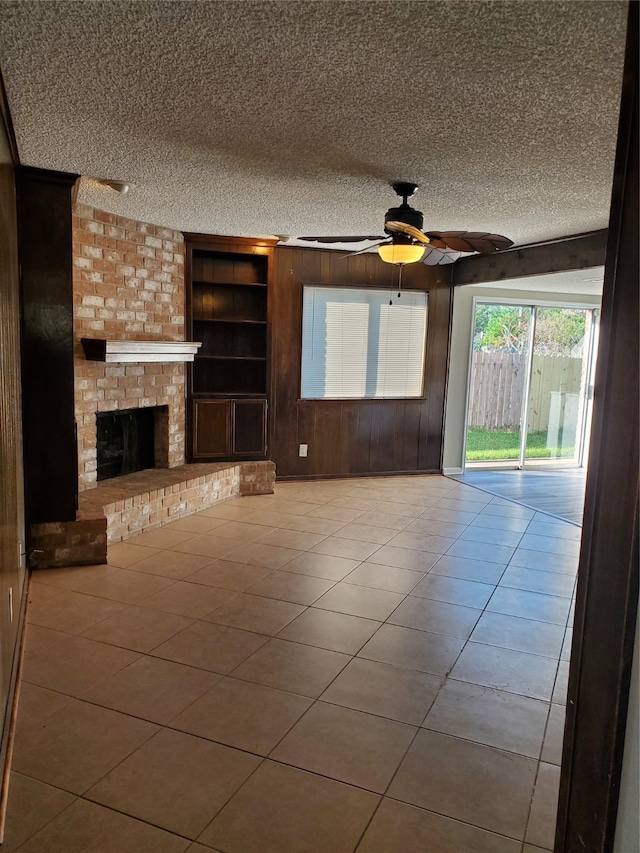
498 381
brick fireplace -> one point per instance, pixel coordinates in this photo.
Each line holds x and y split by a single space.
128 285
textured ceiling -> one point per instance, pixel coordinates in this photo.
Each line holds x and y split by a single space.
256 118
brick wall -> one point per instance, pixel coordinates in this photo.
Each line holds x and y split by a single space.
128 283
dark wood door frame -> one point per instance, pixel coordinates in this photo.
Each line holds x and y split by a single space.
607 594
12 527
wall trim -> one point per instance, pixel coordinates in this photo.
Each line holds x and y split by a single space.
294 477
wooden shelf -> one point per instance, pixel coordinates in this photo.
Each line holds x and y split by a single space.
227 296
100 349
233 357
230 283
223 395
237 320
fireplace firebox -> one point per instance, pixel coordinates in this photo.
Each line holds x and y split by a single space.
125 442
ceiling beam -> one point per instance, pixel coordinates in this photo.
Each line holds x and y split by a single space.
569 253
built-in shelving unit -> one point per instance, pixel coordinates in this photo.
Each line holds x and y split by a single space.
227 286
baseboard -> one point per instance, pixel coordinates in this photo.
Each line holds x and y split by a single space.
283 478
451 472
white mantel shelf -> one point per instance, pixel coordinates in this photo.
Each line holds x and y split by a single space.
100 349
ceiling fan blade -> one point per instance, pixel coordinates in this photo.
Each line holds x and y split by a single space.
453 240
349 239
411 230
434 257
470 241
486 243
436 242
366 249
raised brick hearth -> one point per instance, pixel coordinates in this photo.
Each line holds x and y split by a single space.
118 509
148 499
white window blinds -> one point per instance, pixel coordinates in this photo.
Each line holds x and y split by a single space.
355 345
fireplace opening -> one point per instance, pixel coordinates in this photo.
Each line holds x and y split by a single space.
125 442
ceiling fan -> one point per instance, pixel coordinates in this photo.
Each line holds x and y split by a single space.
404 241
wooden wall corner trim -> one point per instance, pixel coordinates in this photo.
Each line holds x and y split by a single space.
8 123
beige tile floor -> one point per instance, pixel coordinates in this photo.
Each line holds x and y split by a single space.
372 664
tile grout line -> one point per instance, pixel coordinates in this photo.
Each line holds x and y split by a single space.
353 656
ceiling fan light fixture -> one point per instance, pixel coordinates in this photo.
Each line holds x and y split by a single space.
401 253
404 241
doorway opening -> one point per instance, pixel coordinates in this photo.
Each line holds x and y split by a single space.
530 385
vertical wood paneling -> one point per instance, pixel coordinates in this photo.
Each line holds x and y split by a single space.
353 437
378 415
348 428
432 415
410 428
361 447
12 533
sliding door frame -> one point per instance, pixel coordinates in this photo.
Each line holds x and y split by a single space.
533 305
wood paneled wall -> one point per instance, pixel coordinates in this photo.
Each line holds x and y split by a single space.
353 437
12 537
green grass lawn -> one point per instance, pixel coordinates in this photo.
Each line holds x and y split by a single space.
488 446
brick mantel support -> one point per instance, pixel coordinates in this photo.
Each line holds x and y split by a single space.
128 284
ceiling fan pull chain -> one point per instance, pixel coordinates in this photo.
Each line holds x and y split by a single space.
400 280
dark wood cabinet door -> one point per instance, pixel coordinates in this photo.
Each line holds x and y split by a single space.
211 428
249 427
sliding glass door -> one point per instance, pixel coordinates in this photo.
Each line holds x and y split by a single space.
530 375
558 385
497 391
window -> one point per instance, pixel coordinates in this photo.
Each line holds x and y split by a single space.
355 345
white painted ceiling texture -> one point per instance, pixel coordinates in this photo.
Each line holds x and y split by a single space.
291 118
